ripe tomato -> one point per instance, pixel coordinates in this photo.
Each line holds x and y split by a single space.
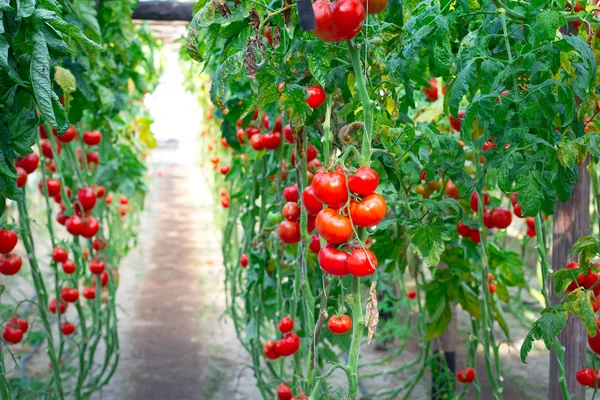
374 6
432 93
286 325
52 186
339 324
68 136
29 163
289 232
475 236
69 267
369 212
330 188
91 227
8 241
92 138
62 308
270 140
74 225
339 21
290 193
67 328
288 133
489 145
332 227
487 219
99 244
89 292
531 232
244 260
225 169
59 255
463 230
501 217
316 94
452 190
284 392
411 294
288 345
69 295
47 149
492 288
455 123
466 375
311 223
333 261
97 267
10 264
256 143
315 244
586 377
12 335
86 198
362 262
475 201
594 341
21 177
269 350
19 323
291 211
364 181
311 203
595 304
311 153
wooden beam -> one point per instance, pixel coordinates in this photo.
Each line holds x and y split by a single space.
571 222
164 11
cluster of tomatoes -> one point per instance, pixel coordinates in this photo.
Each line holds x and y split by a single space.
499 217
466 375
343 20
10 264
351 203
288 345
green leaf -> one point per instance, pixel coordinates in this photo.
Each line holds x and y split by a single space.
201 41
466 78
229 70
535 194
318 61
548 327
72 31
428 242
209 15
293 102
546 24
23 129
334 79
468 300
395 14
40 78
25 8
580 304
438 308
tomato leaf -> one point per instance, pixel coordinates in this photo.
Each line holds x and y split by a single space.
580 304
229 70
428 242
293 101
465 79
547 328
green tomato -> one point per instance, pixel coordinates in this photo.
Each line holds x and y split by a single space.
274 217
468 153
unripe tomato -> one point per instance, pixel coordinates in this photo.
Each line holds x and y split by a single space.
455 123
364 181
291 211
333 261
466 375
332 227
369 212
289 232
452 190
286 325
330 188
362 262
316 94
340 324
339 21
501 217
274 217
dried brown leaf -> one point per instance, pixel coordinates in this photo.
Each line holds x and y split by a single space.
254 19
250 60
372 313
223 8
276 37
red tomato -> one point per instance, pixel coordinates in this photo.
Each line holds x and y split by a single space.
89 292
47 149
586 377
29 163
269 350
68 136
241 136
340 324
311 153
333 261
8 241
21 177
339 21
311 203
74 225
69 295
487 219
19 323
286 325
69 267
269 38
374 6
362 262
291 211
501 217
99 244
43 133
10 264
475 236
596 303
290 193
411 294
289 232
59 255
332 227
315 244
330 188
256 143
369 212
91 227
277 127
311 223
364 181
92 138
316 94
225 169
463 230
594 341
518 211
67 328
52 186
466 375
284 392
492 288
531 232
288 345
455 123
475 201
432 93
52 306
452 190
12 335
224 142
270 140
244 260
97 267
488 145
288 133
86 198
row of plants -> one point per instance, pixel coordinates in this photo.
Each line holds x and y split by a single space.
399 159
74 135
